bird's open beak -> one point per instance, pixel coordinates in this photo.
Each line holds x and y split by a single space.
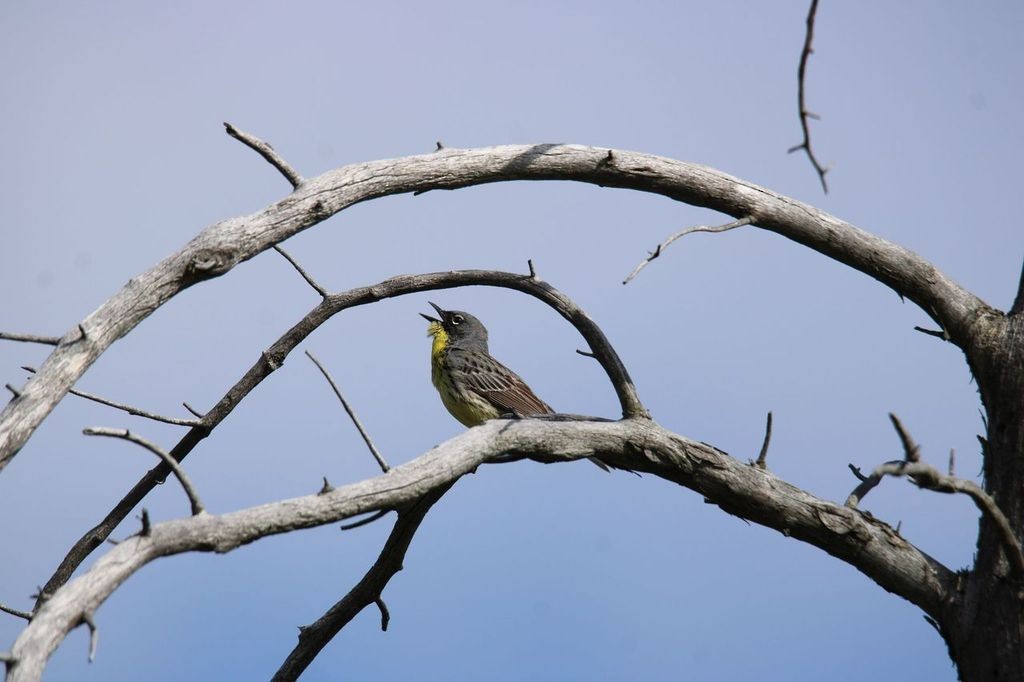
436 307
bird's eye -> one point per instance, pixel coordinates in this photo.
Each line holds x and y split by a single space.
458 319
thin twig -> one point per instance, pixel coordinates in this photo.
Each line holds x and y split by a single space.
1018 301
805 114
30 338
125 434
533 272
385 615
368 520
764 446
352 415
134 411
14 391
193 410
94 635
27 615
746 220
911 451
586 353
938 333
146 526
267 152
305 275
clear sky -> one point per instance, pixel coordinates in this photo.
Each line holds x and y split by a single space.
114 157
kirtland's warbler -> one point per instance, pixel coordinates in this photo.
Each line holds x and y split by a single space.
475 387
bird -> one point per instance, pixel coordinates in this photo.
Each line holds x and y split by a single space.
473 386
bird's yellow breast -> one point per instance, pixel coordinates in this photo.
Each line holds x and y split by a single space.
469 408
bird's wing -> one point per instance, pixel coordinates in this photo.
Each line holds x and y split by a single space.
500 386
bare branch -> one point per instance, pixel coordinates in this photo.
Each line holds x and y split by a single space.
134 411
802 100
27 615
220 247
933 332
30 338
764 446
911 451
367 521
352 415
314 637
305 275
746 220
867 483
94 635
15 393
1018 302
125 434
267 152
193 410
639 444
585 353
928 477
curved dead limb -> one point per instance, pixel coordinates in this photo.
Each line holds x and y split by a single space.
639 444
928 477
220 247
315 636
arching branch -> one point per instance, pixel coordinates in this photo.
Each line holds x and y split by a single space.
218 248
640 444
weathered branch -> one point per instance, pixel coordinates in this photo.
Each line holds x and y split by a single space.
272 358
314 637
352 415
763 456
267 152
220 247
929 478
805 114
1018 302
179 473
682 233
27 615
134 411
302 272
639 444
30 338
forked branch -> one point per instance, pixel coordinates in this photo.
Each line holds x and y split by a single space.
639 444
928 477
805 114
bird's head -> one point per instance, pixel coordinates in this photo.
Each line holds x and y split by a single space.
457 328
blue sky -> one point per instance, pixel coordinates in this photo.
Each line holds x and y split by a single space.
115 156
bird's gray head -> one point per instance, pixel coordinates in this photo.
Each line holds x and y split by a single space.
459 328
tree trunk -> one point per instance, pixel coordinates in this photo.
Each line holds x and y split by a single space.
985 631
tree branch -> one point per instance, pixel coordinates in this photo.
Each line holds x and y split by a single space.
1018 302
125 434
640 444
801 73
134 411
30 338
929 478
271 359
352 415
314 637
682 233
267 152
220 247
